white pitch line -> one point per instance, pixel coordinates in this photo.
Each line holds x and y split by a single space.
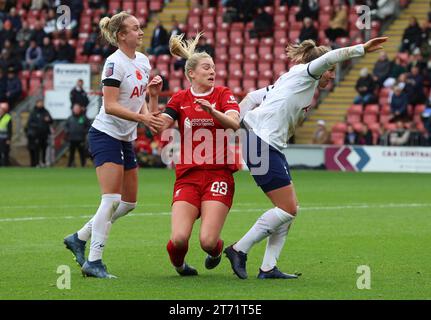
165 213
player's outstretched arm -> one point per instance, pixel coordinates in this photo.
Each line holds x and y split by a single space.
322 64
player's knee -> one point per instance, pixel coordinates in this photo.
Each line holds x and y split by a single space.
208 243
180 240
290 208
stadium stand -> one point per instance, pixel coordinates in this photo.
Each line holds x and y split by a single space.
242 63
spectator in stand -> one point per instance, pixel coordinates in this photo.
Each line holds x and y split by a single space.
9 61
179 64
416 137
159 40
338 26
15 19
416 60
7 33
425 40
38 34
14 88
38 4
382 68
79 96
97 4
107 49
309 8
400 136
365 86
397 69
351 137
415 87
399 103
402 80
231 13
204 46
385 9
91 41
8 47
51 23
365 137
263 24
321 135
38 130
34 57
5 134
246 10
25 33
76 8
383 139
49 53
65 52
412 36
77 126
308 31
175 30
20 51
3 86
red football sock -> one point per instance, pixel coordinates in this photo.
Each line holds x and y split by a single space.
177 254
217 250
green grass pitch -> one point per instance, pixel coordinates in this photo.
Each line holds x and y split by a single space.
347 220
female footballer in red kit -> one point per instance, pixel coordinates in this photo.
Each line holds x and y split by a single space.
204 185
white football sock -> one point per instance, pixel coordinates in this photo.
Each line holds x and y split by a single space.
102 225
123 209
85 233
275 244
264 226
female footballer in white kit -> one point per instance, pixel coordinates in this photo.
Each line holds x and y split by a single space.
270 117
125 83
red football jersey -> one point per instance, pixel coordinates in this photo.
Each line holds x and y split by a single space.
202 140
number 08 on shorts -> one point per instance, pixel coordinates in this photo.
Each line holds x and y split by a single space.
205 185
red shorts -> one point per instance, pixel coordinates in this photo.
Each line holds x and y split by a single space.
203 185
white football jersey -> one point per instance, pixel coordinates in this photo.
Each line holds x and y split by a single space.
252 100
131 77
285 106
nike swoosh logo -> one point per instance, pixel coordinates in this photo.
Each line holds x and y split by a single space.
184 108
128 75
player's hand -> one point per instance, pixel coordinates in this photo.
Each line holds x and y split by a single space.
205 105
374 44
153 121
155 86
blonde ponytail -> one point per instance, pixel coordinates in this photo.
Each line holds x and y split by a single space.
183 49
186 49
109 27
305 52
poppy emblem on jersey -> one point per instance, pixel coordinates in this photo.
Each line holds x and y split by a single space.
109 69
138 75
